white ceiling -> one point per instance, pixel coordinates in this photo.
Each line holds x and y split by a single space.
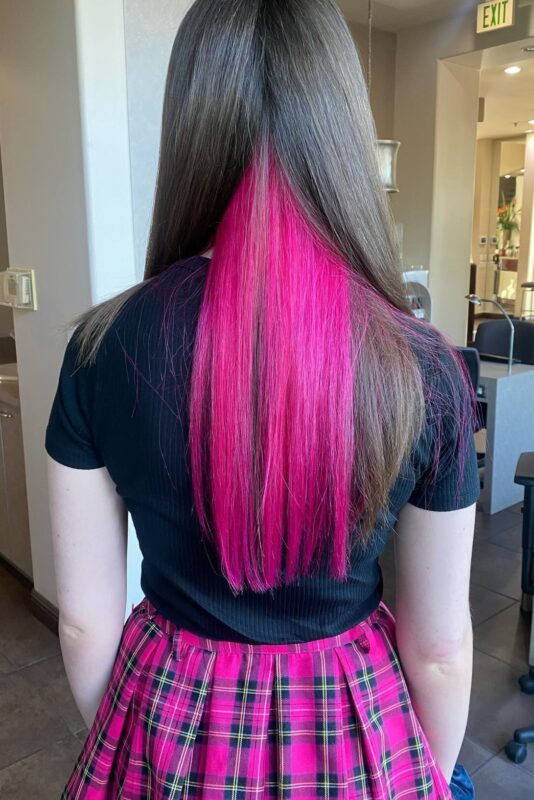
509 99
393 15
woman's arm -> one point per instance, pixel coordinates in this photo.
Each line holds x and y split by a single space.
434 632
89 529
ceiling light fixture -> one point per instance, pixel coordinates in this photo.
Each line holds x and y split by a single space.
512 70
531 121
528 49
507 176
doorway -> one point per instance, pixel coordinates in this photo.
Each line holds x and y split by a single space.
501 246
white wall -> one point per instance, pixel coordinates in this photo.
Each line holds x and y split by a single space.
150 28
105 144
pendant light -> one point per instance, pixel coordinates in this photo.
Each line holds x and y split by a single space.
387 148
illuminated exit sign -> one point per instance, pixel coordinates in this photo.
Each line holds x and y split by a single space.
496 14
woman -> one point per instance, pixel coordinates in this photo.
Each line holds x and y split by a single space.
267 409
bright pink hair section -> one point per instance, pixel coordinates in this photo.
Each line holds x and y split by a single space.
280 368
272 392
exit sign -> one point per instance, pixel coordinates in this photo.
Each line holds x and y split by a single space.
496 14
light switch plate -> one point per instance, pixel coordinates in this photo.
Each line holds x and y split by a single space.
17 288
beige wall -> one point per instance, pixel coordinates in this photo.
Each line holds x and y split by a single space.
512 156
383 52
3 229
6 314
46 218
525 270
486 191
452 197
488 159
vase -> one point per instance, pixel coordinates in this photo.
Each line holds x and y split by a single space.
505 238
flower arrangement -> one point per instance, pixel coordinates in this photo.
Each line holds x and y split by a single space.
507 217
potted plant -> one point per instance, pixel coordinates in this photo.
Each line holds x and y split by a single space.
507 221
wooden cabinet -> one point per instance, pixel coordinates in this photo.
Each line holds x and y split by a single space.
14 522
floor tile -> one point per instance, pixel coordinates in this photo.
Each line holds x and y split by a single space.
485 603
5 665
82 735
11 587
511 538
489 524
28 720
49 678
498 706
473 756
517 509
497 568
23 638
43 775
505 636
499 779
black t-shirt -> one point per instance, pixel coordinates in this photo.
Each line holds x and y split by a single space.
128 412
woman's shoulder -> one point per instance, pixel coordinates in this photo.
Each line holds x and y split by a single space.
168 300
175 289
440 361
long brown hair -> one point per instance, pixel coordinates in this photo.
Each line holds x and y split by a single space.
277 88
242 72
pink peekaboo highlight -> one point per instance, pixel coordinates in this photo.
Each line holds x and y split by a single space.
272 392
305 393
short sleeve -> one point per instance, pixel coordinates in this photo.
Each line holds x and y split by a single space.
69 435
448 477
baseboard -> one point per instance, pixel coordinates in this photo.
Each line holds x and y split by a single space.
13 570
45 611
40 607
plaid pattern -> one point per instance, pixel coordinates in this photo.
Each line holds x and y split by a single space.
188 717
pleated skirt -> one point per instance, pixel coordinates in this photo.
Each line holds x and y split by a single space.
189 717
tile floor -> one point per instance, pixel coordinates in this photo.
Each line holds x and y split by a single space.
40 744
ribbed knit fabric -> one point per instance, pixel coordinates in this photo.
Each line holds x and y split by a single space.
128 412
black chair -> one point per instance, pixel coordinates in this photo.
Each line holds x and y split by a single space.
516 750
493 339
471 357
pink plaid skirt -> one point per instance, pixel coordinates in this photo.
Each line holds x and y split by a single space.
189 717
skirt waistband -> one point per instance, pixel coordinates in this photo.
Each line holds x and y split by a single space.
357 633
